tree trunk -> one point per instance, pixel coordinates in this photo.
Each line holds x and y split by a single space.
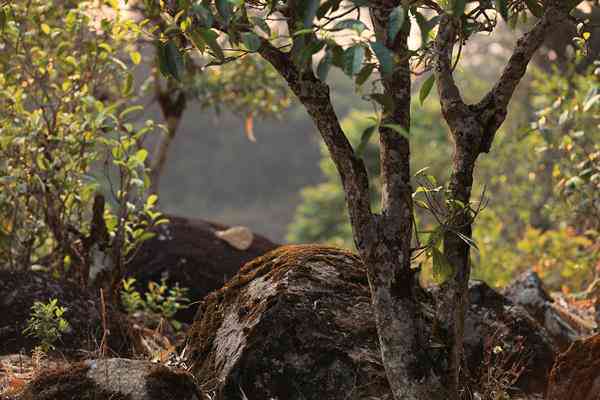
473 128
172 110
383 241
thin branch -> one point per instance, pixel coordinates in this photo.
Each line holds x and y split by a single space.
453 106
314 95
493 107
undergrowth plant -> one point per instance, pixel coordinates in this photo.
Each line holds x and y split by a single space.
47 323
160 300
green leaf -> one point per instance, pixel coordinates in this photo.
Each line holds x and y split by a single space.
308 10
384 55
364 74
395 22
3 18
426 88
458 8
442 269
225 9
502 8
205 17
130 110
387 102
197 41
262 24
425 26
398 128
353 59
170 60
324 66
353 24
251 41
364 139
210 37
127 85
302 56
535 8
141 155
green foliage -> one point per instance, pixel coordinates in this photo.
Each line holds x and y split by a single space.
67 105
47 323
549 218
159 300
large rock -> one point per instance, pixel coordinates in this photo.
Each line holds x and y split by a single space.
297 324
19 290
112 379
576 373
527 290
194 253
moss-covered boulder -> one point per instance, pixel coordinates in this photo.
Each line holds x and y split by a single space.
297 323
112 379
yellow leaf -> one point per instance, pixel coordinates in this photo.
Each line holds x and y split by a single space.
45 28
136 57
586 35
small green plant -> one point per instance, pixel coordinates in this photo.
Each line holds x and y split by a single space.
158 300
47 323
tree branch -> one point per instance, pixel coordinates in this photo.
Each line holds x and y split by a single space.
314 95
493 107
453 106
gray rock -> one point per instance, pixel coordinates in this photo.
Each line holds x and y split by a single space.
115 379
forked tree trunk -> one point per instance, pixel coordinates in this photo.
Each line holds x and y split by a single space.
383 240
473 128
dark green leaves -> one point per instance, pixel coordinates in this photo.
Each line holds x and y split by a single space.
225 9
426 88
383 54
353 24
251 41
308 11
458 8
535 8
210 37
205 17
502 8
395 23
170 60
364 74
364 139
353 59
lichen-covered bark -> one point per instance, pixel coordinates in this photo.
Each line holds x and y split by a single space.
473 128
